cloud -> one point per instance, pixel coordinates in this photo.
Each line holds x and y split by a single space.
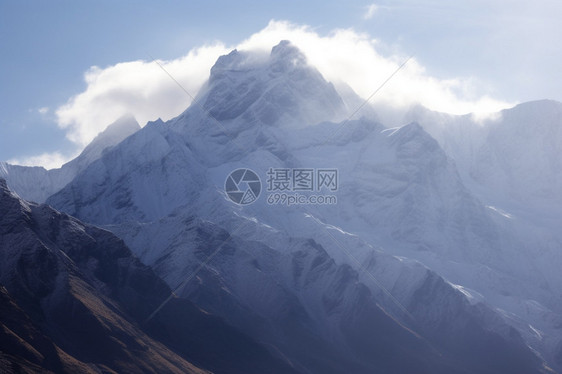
49 160
43 110
140 88
345 56
370 12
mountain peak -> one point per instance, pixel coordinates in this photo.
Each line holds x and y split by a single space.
280 88
231 61
540 104
126 122
113 134
285 56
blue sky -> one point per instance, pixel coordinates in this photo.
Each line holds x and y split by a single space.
509 51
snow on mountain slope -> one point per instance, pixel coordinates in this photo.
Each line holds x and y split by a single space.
402 192
525 145
319 313
399 190
400 183
37 184
513 154
511 162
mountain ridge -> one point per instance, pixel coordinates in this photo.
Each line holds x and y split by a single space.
35 183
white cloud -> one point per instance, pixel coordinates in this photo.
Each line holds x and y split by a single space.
43 110
346 56
141 88
370 12
144 90
49 160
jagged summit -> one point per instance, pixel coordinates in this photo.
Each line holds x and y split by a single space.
280 90
232 61
122 127
285 57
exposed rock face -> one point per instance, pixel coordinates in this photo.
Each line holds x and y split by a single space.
74 299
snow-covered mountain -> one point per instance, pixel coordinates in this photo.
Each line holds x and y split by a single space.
37 183
412 235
